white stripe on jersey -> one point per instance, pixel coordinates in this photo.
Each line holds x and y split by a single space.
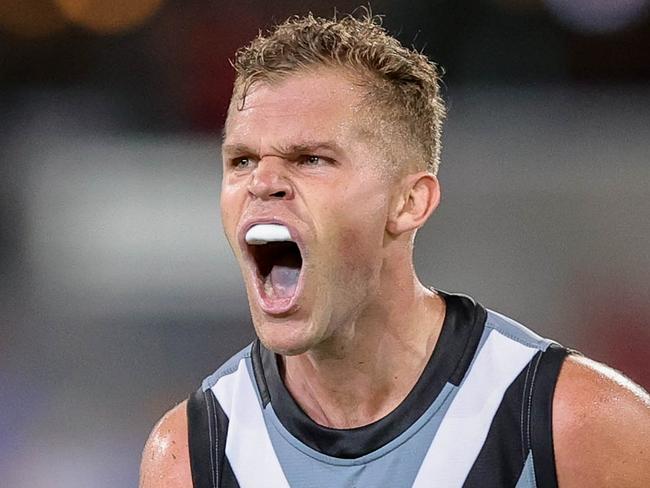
248 447
465 427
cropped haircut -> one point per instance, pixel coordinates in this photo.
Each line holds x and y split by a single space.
403 92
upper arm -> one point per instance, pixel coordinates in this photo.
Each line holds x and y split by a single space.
601 427
165 458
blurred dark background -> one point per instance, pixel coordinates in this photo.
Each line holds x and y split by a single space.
118 291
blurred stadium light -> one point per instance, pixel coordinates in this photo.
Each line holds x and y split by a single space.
108 17
40 18
30 18
598 16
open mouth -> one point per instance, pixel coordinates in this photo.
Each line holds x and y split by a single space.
278 267
278 263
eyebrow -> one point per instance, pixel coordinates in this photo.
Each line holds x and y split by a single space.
286 150
236 149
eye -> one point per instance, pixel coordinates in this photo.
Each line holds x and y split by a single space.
311 160
243 162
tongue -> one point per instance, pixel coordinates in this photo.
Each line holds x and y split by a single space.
283 281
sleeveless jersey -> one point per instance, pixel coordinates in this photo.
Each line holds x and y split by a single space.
478 416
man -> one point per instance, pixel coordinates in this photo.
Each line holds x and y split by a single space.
361 375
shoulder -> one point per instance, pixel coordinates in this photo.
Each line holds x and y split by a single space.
165 458
601 427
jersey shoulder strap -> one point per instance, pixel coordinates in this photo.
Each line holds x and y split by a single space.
538 433
207 428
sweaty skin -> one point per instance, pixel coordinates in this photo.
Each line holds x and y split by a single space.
361 327
166 458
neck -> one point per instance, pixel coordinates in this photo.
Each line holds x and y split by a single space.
364 372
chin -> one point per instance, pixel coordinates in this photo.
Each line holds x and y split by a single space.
286 336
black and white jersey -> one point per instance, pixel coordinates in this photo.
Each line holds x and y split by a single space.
479 416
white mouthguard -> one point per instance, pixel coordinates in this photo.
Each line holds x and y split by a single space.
263 233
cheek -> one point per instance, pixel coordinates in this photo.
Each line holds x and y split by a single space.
229 221
363 219
359 237
357 250
229 205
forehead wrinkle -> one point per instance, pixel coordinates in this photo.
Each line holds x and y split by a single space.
317 130
289 149
306 146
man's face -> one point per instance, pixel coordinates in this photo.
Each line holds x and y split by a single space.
294 156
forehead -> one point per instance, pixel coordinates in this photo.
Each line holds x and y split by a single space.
311 105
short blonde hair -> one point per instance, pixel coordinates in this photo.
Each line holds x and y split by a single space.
403 84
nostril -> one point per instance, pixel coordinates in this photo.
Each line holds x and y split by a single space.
279 194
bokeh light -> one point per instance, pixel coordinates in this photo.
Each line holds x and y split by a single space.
108 17
30 18
598 16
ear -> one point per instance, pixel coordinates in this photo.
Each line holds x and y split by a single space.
419 197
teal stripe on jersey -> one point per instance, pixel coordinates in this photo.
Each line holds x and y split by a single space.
527 478
515 331
395 464
226 368
465 427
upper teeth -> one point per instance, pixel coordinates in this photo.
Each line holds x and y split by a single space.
263 233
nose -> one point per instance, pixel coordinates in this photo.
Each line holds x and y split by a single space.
268 180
